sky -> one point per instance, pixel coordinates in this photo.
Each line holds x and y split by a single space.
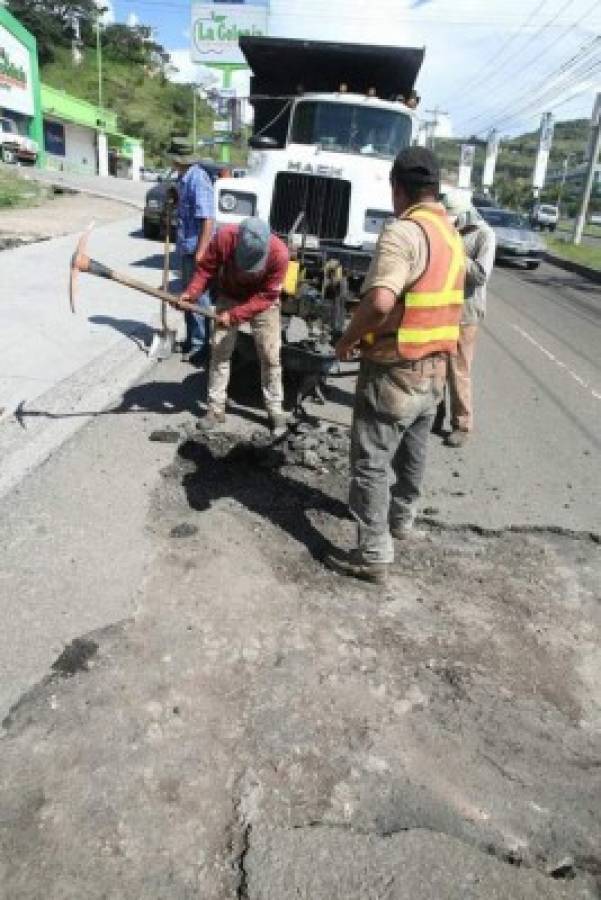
489 63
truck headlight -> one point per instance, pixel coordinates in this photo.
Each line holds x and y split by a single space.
237 202
375 219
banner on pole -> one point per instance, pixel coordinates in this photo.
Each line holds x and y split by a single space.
490 163
466 164
547 127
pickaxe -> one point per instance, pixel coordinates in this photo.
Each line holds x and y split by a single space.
81 262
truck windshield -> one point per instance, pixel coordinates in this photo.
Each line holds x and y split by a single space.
344 128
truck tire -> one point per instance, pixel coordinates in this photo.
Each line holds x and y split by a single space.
150 230
532 265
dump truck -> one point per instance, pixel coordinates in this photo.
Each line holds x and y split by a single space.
329 118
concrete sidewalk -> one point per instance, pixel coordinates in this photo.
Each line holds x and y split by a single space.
122 189
55 366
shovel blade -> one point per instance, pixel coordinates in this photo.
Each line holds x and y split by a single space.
162 345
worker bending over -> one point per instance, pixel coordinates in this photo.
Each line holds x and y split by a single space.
247 266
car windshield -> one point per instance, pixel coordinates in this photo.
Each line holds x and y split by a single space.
498 218
345 128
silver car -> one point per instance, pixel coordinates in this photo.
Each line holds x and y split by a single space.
516 241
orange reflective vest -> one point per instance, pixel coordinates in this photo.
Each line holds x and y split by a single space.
430 310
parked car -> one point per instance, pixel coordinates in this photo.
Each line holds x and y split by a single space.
544 216
149 174
155 204
516 241
15 147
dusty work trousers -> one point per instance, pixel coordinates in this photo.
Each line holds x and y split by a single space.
460 380
392 418
266 331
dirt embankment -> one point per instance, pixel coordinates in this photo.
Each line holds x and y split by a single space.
57 215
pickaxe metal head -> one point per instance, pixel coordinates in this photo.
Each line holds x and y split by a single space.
80 262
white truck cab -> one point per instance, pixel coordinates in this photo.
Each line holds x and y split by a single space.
321 152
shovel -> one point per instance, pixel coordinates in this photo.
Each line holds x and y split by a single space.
81 262
163 341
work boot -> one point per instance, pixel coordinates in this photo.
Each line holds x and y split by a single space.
406 531
354 565
457 438
213 419
277 423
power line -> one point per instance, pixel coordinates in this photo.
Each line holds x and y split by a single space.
583 51
580 74
546 99
473 79
493 75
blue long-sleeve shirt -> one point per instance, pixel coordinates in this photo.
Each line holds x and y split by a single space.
196 201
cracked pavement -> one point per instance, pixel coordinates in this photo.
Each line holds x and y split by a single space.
234 721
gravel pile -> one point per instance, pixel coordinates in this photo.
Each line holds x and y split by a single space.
316 447
319 447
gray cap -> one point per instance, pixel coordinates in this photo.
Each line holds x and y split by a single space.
253 245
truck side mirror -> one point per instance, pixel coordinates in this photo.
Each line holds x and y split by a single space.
262 142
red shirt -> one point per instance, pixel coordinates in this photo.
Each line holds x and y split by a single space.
245 294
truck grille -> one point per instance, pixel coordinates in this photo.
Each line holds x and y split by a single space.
324 201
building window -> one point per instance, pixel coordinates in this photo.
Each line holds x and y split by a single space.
54 138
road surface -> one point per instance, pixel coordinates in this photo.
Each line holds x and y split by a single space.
301 734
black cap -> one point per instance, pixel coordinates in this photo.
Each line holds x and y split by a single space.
416 165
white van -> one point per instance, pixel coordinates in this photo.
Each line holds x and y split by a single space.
545 216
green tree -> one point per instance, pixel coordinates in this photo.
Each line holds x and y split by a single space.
54 24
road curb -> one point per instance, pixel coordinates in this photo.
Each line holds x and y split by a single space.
51 418
91 192
571 266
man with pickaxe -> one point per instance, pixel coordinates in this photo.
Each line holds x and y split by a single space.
246 265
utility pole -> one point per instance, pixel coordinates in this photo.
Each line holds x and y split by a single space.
433 124
564 175
194 135
595 146
99 60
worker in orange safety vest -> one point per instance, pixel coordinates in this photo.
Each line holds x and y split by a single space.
405 327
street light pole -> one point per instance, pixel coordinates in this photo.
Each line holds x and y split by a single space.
194 135
99 60
595 146
564 175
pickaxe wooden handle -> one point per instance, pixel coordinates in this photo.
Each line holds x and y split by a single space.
81 262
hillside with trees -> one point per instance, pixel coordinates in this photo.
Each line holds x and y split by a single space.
513 181
136 71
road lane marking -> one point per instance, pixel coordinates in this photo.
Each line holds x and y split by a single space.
558 362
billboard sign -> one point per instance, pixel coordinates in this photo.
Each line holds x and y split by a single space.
217 26
16 88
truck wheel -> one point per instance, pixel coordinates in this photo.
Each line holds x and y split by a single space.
532 265
150 230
